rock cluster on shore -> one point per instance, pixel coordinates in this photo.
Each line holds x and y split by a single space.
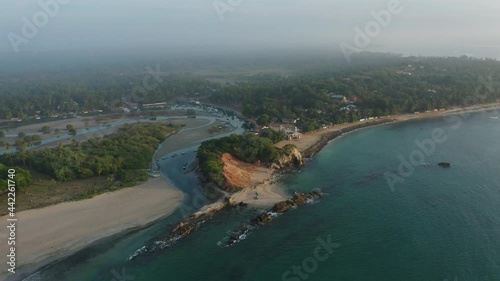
291 159
298 199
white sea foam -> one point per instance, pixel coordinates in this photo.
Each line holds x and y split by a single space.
137 252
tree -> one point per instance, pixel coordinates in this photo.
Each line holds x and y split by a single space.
21 135
2 134
46 129
190 112
263 120
21 150
100 169
71 129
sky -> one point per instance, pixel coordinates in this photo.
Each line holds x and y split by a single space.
418 27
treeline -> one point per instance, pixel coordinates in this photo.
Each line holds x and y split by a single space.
47 96
248 148
118 155
378 84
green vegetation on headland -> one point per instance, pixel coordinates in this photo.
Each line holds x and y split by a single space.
120 156
247 148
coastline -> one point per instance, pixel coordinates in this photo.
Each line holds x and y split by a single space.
51 233
311 143
269 194
58 231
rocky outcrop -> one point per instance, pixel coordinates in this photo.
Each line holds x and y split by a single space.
290 158
298 199
188 226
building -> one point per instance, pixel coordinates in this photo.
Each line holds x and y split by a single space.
154 105
340 98
349 107
182 100
289 120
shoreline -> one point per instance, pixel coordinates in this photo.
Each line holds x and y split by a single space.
100 217
76 225
313 142
269 189
316 140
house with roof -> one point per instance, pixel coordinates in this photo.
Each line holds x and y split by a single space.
349 107
339 98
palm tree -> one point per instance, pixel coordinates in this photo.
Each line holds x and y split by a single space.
21 150
100 169
7 147
74 143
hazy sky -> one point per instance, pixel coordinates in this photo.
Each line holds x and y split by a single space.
429 27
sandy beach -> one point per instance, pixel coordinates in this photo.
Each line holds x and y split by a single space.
309 139
47 234
44 235
264 195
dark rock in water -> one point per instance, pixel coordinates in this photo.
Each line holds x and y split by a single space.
262 219
282 207
297 200
267 217
444 164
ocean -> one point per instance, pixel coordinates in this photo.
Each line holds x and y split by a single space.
391 213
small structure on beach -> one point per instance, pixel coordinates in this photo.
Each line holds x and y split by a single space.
293 135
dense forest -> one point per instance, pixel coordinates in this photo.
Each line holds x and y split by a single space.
46 97
118 155
373 85
248 148
377 85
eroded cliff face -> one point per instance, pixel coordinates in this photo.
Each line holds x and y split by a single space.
290 158
239 175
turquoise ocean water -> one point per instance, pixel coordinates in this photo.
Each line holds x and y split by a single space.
434 224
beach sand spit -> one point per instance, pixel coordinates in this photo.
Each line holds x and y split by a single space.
43 235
